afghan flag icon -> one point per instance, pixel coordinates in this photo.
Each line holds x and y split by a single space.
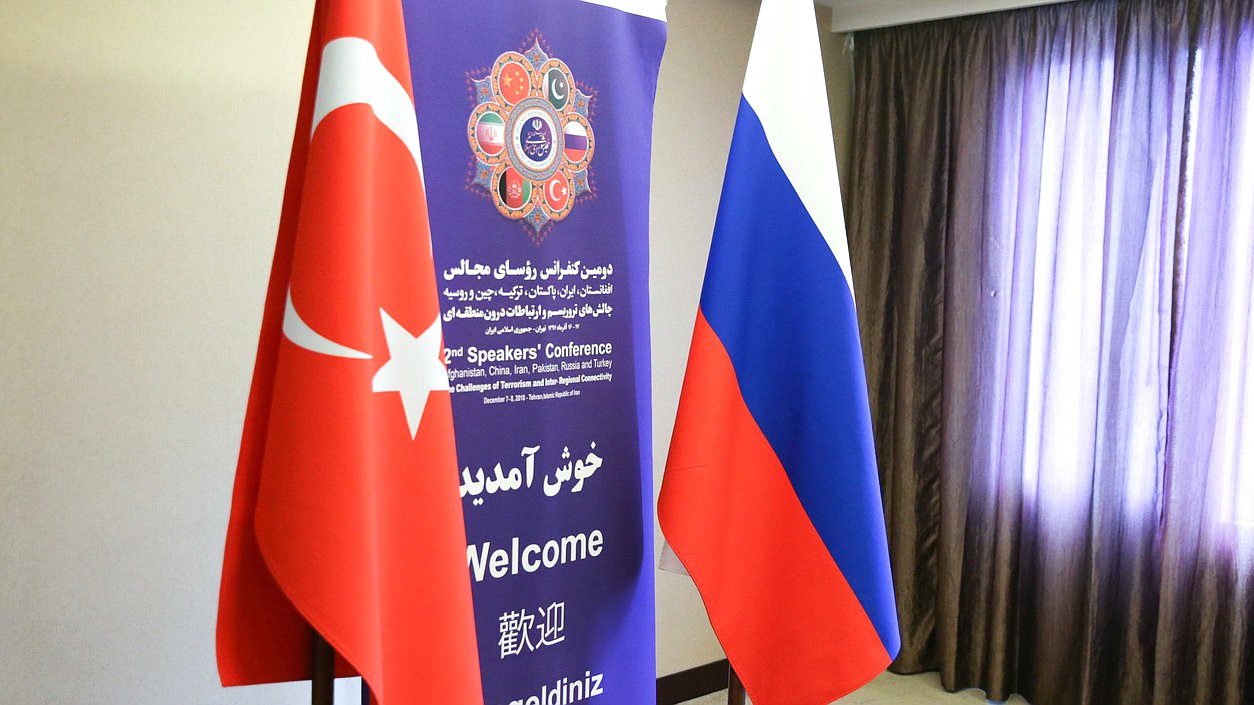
490 133
576 139
513 189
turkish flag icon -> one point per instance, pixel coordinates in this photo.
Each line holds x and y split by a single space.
346 516
557 192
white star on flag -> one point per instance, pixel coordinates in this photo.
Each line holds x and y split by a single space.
414 370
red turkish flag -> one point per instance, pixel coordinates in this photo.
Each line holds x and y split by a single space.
346 515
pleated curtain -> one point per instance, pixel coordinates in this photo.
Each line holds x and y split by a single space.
1052 230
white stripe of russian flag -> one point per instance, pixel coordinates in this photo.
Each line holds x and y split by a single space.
784 84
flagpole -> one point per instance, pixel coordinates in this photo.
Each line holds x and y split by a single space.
735 689
322 678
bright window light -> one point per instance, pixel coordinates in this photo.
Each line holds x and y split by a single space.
1244 234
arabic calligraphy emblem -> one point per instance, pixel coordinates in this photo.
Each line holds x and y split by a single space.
531 137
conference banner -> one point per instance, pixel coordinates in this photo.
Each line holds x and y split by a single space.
535 121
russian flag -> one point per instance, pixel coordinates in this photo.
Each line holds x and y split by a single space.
771 495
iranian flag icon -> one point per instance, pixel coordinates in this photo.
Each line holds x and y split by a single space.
490 133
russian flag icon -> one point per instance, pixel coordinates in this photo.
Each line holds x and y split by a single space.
576 139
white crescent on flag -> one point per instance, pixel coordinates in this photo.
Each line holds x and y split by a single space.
302 335
557 191
352 74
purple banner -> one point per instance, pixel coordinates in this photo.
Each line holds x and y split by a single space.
535 120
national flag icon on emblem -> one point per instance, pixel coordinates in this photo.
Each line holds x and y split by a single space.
576 138
557 193
490 133
513 82
514 189
557 85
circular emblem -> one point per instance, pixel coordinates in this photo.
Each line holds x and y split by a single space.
531 138
534 139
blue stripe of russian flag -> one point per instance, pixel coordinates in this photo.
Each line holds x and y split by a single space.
778 300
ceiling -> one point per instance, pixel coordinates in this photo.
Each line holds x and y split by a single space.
853 15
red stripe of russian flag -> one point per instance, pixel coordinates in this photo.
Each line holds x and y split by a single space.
765 576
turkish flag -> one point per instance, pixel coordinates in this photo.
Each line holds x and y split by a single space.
346 516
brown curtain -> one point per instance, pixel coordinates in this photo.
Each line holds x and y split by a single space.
1051 228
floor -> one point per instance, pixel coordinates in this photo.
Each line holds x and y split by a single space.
892 689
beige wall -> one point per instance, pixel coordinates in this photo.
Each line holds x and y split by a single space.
838 67
698 94
142 152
